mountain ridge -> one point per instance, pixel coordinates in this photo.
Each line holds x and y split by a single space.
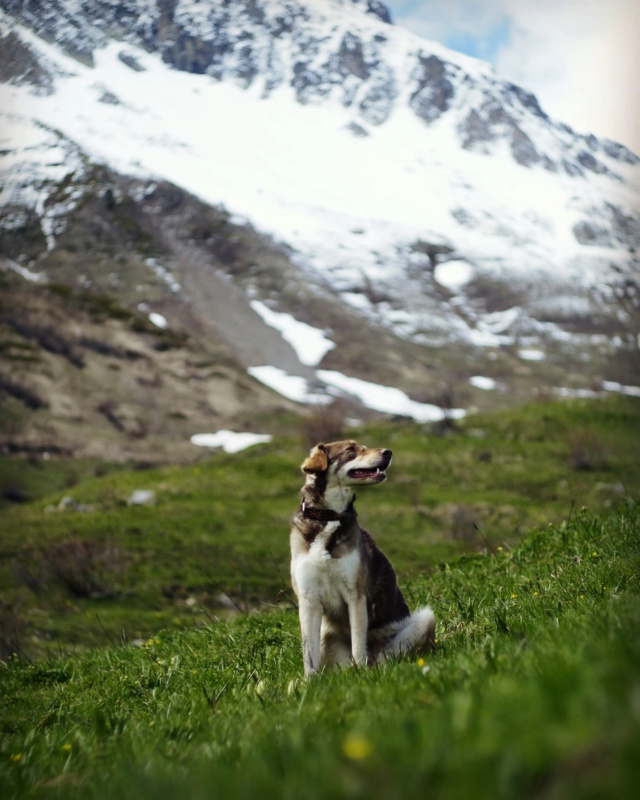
241 41
430 219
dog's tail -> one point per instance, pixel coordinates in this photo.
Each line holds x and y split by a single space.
416 633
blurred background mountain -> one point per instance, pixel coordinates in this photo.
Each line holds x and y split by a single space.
223 214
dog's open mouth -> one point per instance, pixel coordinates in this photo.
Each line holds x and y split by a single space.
371 474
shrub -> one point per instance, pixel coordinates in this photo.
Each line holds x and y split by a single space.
81 568
324 424
22 393
132 428
586 450
463 523
12 489
48 338
11 626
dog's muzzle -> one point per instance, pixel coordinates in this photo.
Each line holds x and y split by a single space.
375 473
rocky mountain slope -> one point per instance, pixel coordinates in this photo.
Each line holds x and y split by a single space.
215 162
82 375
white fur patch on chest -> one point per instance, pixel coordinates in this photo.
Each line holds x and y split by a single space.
318 575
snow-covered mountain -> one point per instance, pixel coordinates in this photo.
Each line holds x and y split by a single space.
407 182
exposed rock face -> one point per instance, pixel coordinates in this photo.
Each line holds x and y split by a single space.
335 51
19 65
609 227
492 121
434 90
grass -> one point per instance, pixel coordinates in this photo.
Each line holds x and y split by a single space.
123 677
533 691
70 579
27 479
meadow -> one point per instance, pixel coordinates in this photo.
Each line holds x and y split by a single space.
521 530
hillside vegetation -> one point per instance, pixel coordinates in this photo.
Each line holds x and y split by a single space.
532 692
88 375
91 568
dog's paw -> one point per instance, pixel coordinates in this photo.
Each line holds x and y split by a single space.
310 673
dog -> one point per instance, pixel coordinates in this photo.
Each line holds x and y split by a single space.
351 608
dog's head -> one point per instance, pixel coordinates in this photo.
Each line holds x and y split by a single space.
347 463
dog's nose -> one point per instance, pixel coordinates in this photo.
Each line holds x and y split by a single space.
386 454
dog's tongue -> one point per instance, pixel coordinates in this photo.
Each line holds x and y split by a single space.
365 473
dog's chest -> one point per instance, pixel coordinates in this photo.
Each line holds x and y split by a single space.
317 574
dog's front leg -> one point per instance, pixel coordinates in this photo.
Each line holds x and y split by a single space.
310 622
358 622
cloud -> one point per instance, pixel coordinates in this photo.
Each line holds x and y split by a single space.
580 57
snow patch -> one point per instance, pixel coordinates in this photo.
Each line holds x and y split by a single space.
27 274
481 382
292 387
501 321
613 386
386 399
158 320
453 275
229 441
577 394
527 354
309 343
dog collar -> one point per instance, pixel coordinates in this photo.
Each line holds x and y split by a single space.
323 514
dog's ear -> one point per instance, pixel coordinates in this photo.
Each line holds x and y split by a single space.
317 461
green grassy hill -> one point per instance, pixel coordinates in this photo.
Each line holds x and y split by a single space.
127 675
533 692
216 538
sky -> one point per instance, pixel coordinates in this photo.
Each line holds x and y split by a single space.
580 57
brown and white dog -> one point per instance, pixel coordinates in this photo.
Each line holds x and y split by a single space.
351 609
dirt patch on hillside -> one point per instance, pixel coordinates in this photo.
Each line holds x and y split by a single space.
83 375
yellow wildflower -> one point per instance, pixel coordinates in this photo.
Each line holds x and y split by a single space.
356 748
66 747
15 757
420 662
